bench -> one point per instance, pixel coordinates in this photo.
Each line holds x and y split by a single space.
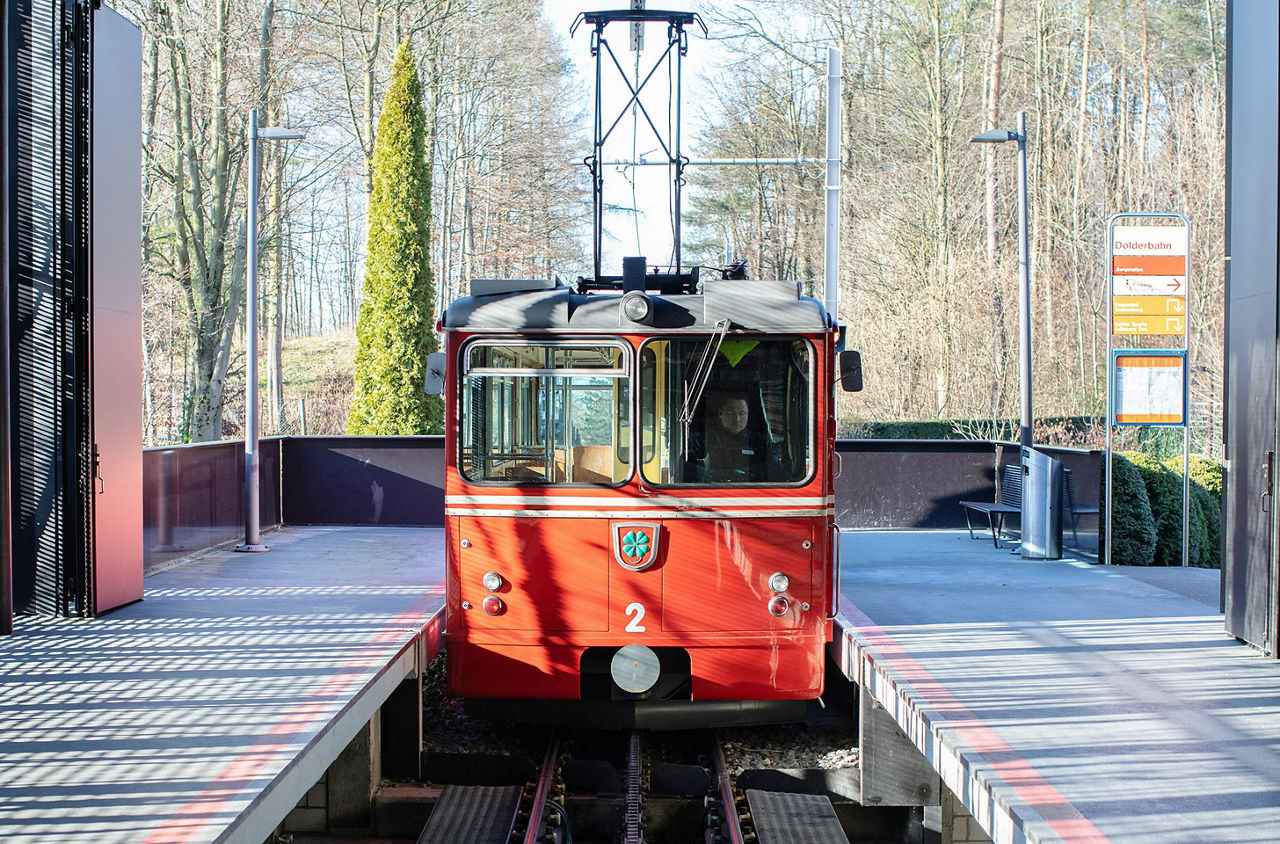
1076 511
1008 501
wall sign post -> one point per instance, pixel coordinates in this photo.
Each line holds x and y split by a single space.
1149 268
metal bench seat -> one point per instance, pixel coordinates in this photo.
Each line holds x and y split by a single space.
1008 501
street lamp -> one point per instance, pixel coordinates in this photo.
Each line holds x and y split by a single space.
999 136
252 540
1034 496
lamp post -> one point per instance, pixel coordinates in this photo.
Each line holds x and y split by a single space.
999 136
252 540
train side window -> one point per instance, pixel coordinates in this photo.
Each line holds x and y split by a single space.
545 413
751 422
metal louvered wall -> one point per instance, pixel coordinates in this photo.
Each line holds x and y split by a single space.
47 193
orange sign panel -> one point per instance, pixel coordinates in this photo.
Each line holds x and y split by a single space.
1140 324
1123 306
1149 265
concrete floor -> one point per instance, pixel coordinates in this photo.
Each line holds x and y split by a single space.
1060 700
1068 701
204 711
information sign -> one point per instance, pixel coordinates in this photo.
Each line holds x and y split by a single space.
1149 280
1149 267
1150 388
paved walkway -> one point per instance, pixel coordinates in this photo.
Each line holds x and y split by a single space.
205 711
1064 701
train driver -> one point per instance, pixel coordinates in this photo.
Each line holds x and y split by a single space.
731 451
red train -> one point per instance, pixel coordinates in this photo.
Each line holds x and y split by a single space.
639 498
639 493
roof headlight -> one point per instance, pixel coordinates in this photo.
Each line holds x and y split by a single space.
637 307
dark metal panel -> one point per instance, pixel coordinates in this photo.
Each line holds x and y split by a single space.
1251 322
117 310
911 483
363 480
193 496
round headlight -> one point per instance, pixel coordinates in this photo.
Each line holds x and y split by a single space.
778 605
636 306
778 582
492 581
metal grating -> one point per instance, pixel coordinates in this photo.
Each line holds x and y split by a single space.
786 818
49 298
480 814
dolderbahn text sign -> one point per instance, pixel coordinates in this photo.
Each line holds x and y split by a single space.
1149 270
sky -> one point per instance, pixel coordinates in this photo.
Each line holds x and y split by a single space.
642 223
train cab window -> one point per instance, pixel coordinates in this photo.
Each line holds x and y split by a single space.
545 413
726 413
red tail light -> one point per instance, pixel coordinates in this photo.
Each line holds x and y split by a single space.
777 605
493 605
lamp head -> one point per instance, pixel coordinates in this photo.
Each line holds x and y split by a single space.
994 136
278 133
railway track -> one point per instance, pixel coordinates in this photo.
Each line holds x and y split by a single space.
634 788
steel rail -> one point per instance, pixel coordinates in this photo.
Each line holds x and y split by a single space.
541 793
732 827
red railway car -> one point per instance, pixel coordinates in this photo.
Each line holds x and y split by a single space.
639 498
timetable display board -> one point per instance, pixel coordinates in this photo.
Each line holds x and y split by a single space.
1149 388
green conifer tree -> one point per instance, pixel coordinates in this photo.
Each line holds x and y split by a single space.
394 331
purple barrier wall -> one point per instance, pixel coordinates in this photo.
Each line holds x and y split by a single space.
363 480
195 494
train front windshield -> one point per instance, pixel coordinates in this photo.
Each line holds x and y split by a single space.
713 412
727 413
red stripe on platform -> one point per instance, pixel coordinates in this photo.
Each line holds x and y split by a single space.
187 822
1061 815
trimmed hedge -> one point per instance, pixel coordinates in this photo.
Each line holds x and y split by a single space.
1164 491
1132 524
961 429
1206 500
1206 472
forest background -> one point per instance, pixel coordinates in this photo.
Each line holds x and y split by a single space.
1126 112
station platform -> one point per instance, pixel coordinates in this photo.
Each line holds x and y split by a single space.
1063 701
206 710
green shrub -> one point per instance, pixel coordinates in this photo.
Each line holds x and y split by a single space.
1206 499
1132 525
1164 491
394 330
1206 472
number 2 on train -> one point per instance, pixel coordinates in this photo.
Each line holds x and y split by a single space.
634 625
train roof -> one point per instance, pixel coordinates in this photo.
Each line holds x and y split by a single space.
536 305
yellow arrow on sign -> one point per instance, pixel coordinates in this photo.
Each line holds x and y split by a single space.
1123 306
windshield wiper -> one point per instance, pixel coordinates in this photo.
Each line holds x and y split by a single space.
694 387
